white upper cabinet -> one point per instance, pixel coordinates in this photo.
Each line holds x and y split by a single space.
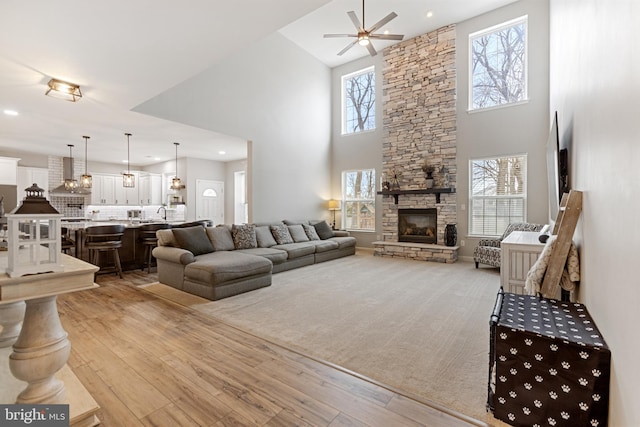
9 171
27 176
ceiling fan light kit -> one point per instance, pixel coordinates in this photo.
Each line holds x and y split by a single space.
364 36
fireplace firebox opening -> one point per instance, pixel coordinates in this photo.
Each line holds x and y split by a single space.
418 225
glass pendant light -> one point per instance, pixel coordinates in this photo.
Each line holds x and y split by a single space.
86 180
70 184
176 183
128 179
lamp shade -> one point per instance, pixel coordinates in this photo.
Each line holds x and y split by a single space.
334 205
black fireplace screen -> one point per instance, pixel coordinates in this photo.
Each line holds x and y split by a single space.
418 225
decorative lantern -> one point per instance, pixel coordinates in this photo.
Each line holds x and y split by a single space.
34 236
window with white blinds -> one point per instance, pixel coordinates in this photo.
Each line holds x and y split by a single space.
498 194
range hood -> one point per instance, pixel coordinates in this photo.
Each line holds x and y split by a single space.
67 173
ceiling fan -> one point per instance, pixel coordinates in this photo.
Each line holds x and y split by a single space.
364 36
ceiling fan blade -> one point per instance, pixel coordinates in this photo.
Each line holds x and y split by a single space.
327 36
371 49
386 36
383 21
349 46
355 20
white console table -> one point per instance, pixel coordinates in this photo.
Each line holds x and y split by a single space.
519 251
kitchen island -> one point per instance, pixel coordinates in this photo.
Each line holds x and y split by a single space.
132 253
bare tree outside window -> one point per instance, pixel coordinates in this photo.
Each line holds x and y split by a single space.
358 194
498 65
359 101
498 194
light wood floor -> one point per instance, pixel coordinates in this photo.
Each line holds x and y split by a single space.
151 362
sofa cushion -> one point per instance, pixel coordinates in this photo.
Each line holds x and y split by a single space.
310 230
325 245
344 242
281 234
324 230
244 236
193 239
296 250
225 266
295 221
276 256
221 238
264 237
165 238
297 233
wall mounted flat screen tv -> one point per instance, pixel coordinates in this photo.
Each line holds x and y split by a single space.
556 169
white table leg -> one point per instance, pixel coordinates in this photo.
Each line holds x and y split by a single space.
41 350
11 316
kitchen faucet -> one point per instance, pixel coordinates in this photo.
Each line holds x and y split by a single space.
164 212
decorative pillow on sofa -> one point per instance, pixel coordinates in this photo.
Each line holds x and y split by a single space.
193 239
221 238
264 237
324 230
310 230
281 234
297 233
244 236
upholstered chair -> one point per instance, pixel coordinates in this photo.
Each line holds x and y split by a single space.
488 250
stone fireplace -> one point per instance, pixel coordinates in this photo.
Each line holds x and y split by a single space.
418 225
419 120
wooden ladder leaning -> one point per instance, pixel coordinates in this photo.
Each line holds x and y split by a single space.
568 214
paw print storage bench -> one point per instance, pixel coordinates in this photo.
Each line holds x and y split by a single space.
549 365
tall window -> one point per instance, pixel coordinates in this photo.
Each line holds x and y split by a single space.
498 194
359 197
359 101
498 70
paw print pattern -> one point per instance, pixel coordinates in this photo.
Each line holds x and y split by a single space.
551 421
513 394
595 423
528 341
503 358
584 355
582 381
553 395
502 400
503 336
503 378
566 365
527 365
553 347
513 351
596 397
526 410
538 357
566 388
553 371
511 416
528 386
564 415
596 373
583 406
513 371
537 403
539 378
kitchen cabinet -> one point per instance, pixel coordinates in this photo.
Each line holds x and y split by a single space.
26 176
9 171
103 189
150 189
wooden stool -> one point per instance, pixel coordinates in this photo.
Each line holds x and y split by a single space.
105 238
67 242
149 239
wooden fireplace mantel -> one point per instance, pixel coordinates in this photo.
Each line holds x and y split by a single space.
436 191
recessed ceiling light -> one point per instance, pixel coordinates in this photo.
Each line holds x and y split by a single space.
222 152
125 161
430 14
157 159
10 112
386 31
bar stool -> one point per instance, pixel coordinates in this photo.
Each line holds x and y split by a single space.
67 242
149 239
105 238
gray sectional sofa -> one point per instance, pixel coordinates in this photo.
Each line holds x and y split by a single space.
218 262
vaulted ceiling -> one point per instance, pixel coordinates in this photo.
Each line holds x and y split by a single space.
124 52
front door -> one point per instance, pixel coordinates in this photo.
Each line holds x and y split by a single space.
210 200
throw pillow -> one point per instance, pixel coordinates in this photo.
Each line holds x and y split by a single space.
221 238
264 237
297 233
244 236
324 231
310 230
193 239
281 234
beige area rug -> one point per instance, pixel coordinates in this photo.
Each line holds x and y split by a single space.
173 294
420 327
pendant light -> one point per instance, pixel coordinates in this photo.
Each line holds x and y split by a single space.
86 180
128 179
70 184
176 183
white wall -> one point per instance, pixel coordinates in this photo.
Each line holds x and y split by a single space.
510 130
595 87
356 151
278 96
230 169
